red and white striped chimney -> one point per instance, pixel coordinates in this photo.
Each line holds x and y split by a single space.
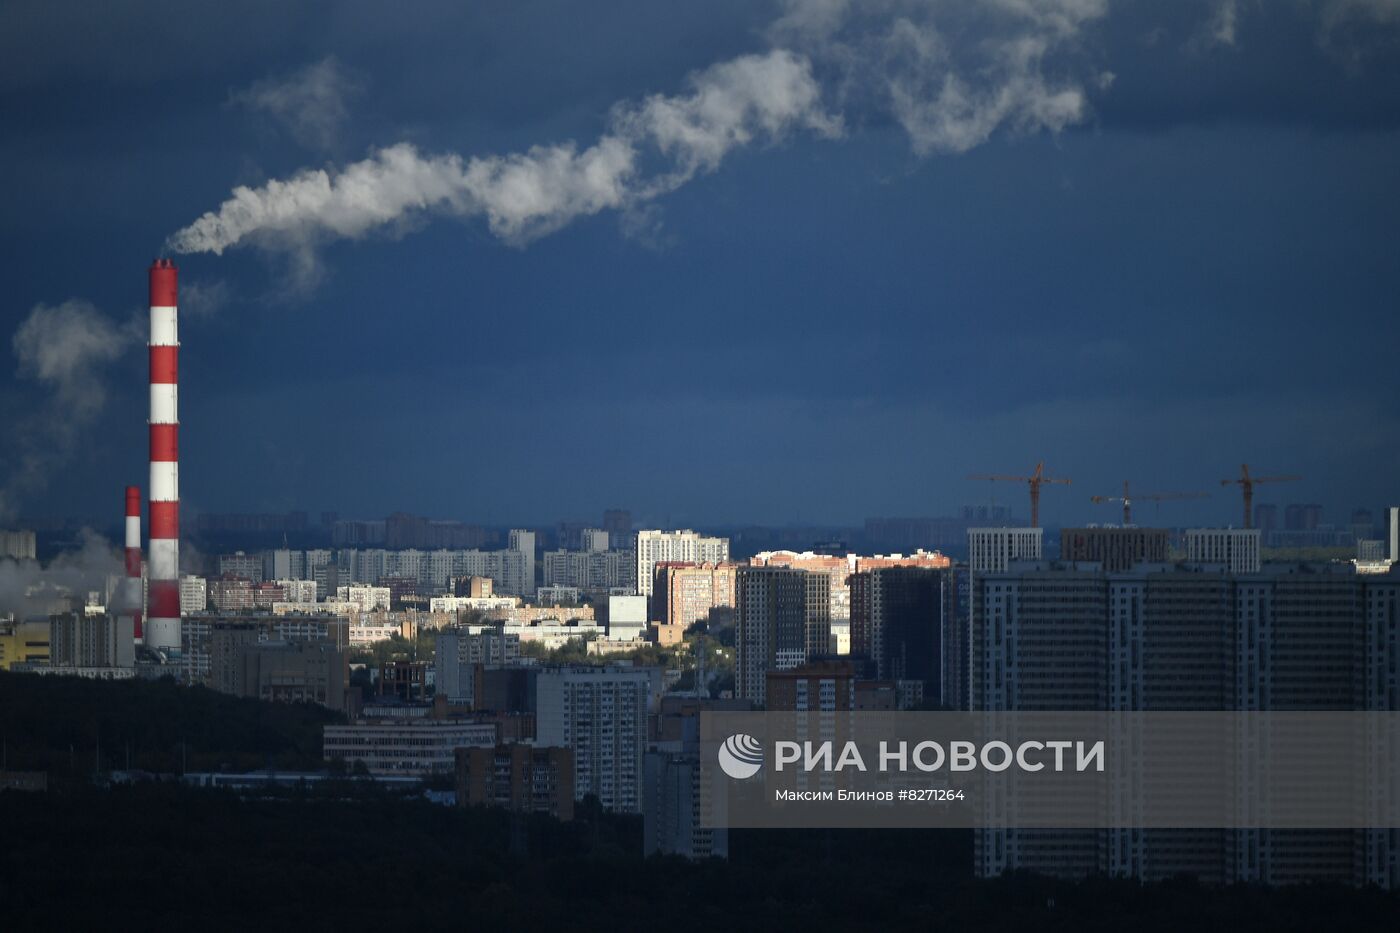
132 596
163 624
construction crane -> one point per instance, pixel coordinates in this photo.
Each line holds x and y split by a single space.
1247 484
1127 499
1035 481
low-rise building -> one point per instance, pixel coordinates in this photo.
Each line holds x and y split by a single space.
557 595
292 672
405 746
627 618
23 643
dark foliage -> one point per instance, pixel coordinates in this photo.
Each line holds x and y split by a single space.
164 856
350 855
67 726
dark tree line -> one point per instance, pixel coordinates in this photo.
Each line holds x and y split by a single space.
71 727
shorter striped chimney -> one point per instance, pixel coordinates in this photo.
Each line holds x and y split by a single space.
133 597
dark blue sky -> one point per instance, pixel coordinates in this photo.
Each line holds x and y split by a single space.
1201 268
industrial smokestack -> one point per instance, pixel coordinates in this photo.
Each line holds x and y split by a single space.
132 601
163 625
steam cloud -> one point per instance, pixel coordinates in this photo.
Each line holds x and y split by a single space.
910 59
64 348
29 589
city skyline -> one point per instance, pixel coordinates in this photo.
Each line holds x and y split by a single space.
825 324
763 464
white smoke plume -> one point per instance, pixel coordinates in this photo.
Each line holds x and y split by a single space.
526 195
951 73
65 348
29 589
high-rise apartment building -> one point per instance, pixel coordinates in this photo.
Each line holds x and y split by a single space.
655 546
837 568
458 653
675 821
1118 549
1236 548
596 571
672 821
990 550
601 715
244 566
1064 636
434 570
902 622
194 594
298 591
783 619
685 594
523 543
284 564
91 640
365 598
229 594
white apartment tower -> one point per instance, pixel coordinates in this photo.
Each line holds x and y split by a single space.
194 594
1236 548
655 546
601 714
991 550
523 543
